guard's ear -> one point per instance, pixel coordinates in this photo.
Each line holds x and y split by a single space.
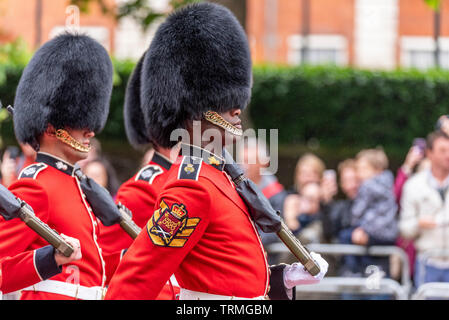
50 131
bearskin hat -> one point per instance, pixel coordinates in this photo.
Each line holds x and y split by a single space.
67 83
199 60
135 128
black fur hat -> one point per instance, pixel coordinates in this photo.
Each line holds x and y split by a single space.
67 83
135 128
199 60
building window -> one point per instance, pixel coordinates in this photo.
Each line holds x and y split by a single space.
317 49
418 52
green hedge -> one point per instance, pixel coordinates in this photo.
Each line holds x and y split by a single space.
343 107
339 107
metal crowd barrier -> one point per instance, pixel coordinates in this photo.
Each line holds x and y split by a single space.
432 290
357 285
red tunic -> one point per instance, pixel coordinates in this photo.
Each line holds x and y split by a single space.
27 268
201 231
50 188
139 194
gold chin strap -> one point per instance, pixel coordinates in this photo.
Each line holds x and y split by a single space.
65 137
218 120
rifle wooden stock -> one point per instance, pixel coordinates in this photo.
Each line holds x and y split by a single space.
127 224
298 250
42 229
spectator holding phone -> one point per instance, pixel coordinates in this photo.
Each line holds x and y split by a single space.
414 156
337 213
306 223
307 206
424 215
14 161
314 187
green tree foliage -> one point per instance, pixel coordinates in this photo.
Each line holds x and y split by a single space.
343 107
13 58
434 4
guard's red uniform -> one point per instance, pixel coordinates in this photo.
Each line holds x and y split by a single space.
23 269
50 188
202 232
139 194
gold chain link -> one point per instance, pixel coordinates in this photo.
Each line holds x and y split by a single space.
218 120
65 137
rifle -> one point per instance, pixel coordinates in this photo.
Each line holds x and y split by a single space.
12 207
127 223
9 108
265 216
104 208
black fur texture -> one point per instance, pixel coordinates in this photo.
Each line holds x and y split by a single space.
68 84
199 60
135 127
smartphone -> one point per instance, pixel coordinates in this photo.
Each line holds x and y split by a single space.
330 174
14 152
420 144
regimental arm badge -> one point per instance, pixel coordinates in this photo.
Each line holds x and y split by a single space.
171 227
32 170
149 173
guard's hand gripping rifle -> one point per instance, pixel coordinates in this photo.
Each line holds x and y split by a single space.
265 216
12 207
104 208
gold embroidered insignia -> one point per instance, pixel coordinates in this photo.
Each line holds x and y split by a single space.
213 161
189 168
171 227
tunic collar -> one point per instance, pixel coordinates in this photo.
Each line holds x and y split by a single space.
55 162
208 157
161 160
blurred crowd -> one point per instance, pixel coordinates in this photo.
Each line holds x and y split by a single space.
361 202
364 203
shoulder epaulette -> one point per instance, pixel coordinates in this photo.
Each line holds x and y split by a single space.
32 170
190 168
149 173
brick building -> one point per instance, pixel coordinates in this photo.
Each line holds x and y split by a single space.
36 21
364 33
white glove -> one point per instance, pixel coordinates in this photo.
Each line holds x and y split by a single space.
296 274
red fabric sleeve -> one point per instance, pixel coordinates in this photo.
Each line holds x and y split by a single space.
18 272
150 261
15 236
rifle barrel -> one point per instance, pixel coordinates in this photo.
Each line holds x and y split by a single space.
42 229
128 225
298 250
